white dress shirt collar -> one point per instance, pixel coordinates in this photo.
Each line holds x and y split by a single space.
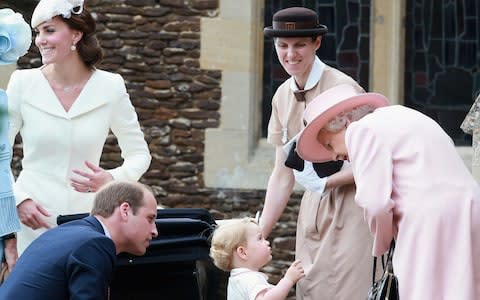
313 77
105 229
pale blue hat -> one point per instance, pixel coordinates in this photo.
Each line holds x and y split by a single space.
15 36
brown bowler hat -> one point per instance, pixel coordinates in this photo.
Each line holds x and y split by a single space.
295 22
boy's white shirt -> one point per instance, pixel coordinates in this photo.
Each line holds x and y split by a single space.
245 284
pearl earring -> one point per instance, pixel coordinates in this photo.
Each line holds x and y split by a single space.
73 47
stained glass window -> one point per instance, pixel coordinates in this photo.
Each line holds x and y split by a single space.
442 55
345 46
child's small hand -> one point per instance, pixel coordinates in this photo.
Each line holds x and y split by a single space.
295 272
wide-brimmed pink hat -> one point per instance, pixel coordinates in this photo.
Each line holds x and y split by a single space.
325 107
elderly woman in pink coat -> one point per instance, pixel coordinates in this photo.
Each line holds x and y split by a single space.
412 185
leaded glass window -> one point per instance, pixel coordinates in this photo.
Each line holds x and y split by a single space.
442 56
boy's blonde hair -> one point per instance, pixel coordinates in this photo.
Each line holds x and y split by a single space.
226 238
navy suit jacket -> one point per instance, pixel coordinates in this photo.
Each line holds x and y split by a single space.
72 261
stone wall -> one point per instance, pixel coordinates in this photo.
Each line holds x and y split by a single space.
155 46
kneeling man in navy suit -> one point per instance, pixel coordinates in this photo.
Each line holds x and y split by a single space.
76 260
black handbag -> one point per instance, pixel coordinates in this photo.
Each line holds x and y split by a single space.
387 287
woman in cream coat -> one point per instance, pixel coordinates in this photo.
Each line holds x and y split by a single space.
64 111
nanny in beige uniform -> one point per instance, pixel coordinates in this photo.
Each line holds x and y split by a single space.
64 111
332 240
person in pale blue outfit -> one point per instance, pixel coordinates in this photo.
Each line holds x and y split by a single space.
9 222
15 40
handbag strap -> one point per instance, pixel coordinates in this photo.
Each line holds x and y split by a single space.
374 269
388 265
390 256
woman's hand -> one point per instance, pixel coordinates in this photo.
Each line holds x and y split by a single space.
90 182
32 214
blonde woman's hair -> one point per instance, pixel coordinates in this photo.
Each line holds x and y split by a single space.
226 238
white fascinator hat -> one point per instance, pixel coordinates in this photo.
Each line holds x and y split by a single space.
47 9
15 36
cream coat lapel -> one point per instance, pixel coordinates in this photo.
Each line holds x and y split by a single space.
46 102
86 101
